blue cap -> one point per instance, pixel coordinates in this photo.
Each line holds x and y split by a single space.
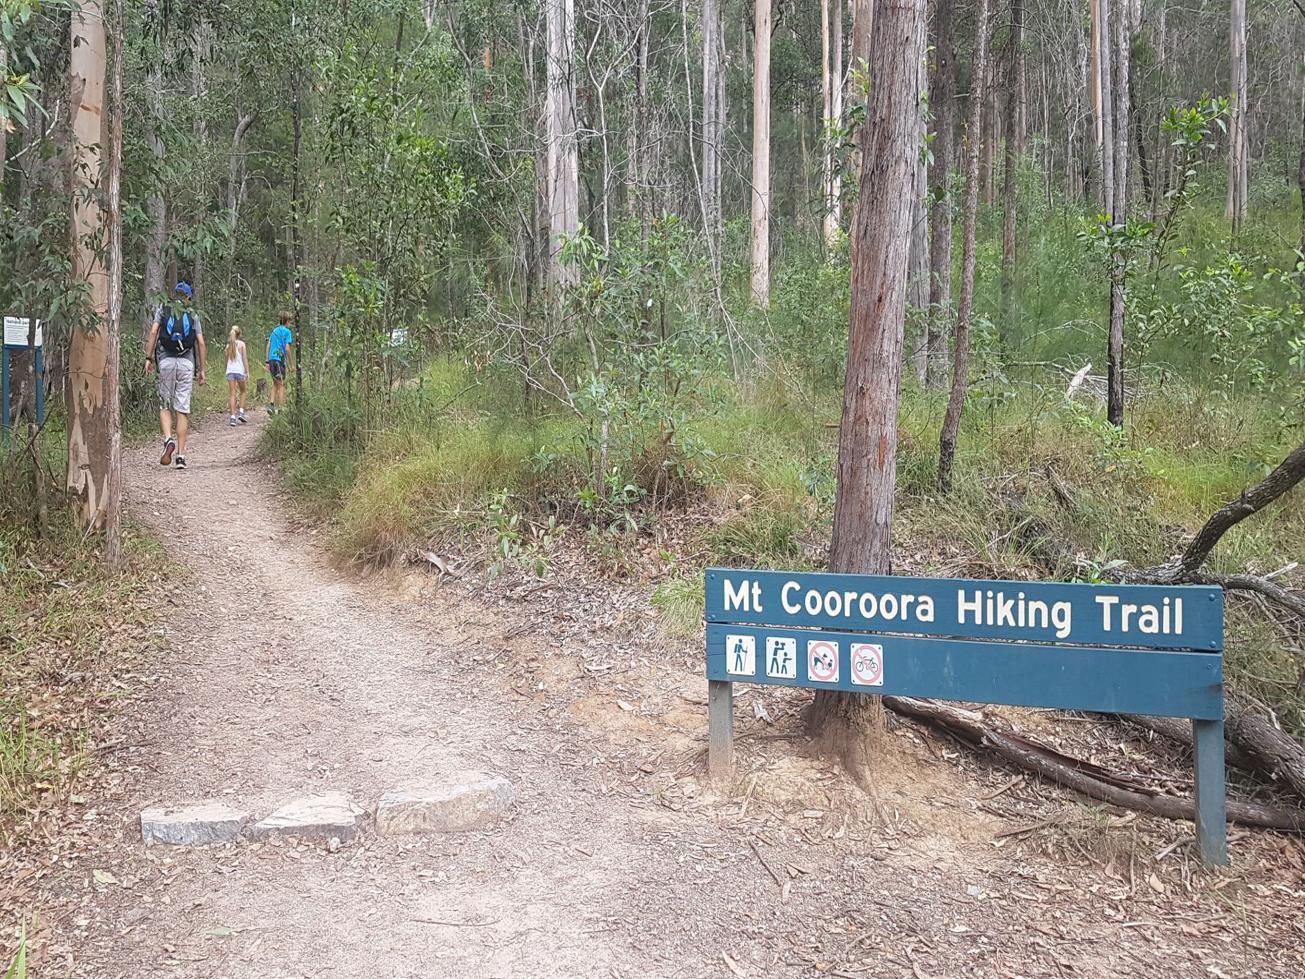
185 290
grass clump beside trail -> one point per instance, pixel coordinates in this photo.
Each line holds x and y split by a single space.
67 628
1044 488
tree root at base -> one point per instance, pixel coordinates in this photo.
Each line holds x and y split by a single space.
1083 777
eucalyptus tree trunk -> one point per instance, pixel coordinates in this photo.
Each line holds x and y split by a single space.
836 111
965 305
711 128
199 91
1300 177
942 103
1237 142
235 182
761 156
859 61
113 482
92 387
1107 114
155 206
1014 144
917 283
563 150
828 229
867 442
1119 216
4 130
1095 11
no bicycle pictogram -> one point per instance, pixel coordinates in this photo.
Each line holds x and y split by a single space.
822 661
868 664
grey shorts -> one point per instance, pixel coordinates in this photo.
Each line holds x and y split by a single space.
176 378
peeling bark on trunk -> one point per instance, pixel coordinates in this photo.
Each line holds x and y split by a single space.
90 390
761 157
965 306
155 206
711 128
563 149
1119 217
867 451
113 481
942 99
1237 143
1014 142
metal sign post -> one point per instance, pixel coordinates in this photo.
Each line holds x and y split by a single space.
1134 649
17 332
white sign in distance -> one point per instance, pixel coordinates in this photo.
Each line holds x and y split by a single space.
16 329
741 655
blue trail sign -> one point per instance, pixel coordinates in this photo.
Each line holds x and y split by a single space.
1136 649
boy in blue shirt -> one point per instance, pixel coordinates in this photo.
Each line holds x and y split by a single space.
279 345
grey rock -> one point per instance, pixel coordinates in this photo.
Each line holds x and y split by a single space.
456 803
331 815
197 825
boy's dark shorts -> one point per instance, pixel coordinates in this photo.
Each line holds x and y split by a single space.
277 368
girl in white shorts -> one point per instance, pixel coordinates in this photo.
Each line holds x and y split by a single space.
237 376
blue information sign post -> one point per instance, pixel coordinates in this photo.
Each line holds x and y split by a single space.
1136 649
16 336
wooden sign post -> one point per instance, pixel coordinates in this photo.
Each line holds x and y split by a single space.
1127 649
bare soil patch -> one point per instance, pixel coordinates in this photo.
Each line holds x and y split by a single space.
284 675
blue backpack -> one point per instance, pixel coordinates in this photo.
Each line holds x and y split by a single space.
176 332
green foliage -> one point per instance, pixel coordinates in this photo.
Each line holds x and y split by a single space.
18 966
680 605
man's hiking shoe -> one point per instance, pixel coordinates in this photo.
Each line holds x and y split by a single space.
232 421
271 409
169 447
181 462
242 417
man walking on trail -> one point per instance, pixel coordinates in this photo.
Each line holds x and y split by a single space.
176 347
279 345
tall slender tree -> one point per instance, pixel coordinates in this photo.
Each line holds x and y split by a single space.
711 126
1237 136
942 98
1014 146
965 305
761 156
867 441
563 148
91 382
1122 43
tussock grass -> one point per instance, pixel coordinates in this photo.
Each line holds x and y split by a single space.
680 605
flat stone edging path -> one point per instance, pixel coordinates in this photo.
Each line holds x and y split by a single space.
461 801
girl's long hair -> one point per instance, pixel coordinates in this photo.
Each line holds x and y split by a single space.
231 343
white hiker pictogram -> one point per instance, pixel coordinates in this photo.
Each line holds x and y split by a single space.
741 655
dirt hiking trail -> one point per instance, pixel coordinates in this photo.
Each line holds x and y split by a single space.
283 676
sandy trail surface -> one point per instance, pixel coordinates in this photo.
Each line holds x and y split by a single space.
284 676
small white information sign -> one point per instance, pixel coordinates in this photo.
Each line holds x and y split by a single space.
822 660
781 657
867 664
741 655
16 329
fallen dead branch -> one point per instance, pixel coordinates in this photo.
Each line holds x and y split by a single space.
1187 568
1179 730
1083 777
1278 754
